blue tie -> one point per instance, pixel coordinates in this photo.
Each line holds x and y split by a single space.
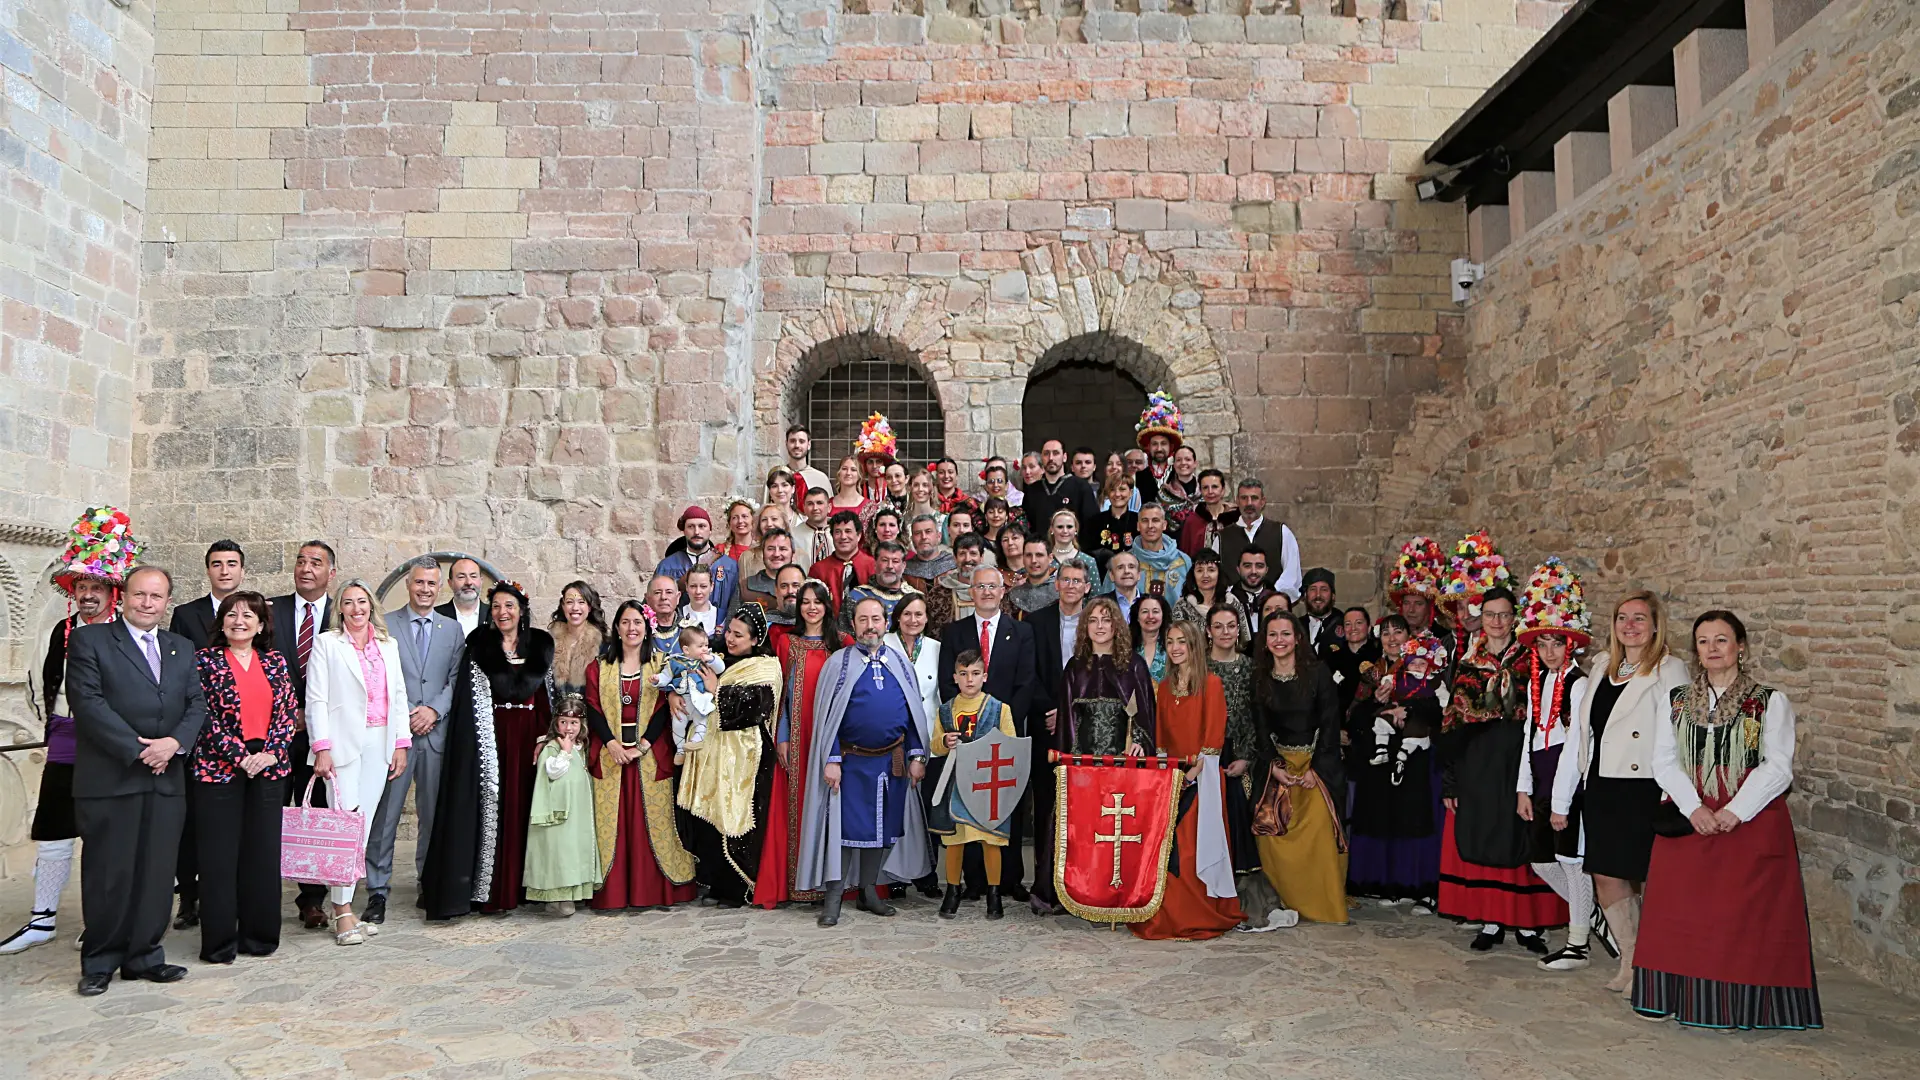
421 626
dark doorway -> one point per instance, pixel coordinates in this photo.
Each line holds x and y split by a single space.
1083 403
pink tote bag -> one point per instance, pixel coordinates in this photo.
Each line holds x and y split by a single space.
320 845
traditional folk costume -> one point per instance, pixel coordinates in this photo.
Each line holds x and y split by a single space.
563 863
101 546
1723 940
970 718
801 659
867 719
1484 876
1163 570
949 599
501 710
874 443
1554 603
725 785
1396 810
1200 900
642 861
1296 769
1258 901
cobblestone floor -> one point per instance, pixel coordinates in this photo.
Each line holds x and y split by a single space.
696 992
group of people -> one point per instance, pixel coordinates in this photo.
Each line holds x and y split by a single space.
767 725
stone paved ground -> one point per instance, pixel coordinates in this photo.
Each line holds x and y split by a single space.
697 992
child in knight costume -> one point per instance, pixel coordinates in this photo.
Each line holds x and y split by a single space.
101 550
971 714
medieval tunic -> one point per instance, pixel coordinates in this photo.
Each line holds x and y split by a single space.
1484 876
877 734
1195 725
725 785
642 860
969 719
802 658
1296 769
1236 680
1105 707
1394 828
1723 940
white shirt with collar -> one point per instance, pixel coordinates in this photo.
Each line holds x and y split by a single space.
1069 633
300 606
469 620
992 625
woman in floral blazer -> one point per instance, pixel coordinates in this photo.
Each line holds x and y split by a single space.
240 767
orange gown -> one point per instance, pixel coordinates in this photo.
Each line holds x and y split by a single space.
1185 726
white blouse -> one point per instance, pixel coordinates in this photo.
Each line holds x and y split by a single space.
927 668
1764 782
1565 781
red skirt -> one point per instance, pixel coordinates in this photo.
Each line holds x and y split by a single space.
779 839
1187 913
1729 908
1516 899
517 730
634 879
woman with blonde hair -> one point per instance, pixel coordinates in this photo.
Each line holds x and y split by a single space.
743 533
1613 730
357 724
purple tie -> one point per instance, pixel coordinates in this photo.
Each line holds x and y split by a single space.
152 648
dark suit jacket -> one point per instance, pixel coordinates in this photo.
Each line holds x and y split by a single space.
286 639
1047 662
193 620
116 703
1010 667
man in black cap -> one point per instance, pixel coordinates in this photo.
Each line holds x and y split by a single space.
1322 616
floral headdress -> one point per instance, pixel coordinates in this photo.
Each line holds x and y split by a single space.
876 439
100 545
1424 646
1420 569
1161 417
1476 568
1555 603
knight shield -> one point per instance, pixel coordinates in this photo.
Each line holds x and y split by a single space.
990 773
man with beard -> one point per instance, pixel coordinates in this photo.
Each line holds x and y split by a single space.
299 618
1162 565
929 559
786 595
1251 588
848 565
806 478
54 826
1057 489
1036 590
866 752
776 553
1253 530
888 585
464 580
950 596
1322 617
1209 516
696 528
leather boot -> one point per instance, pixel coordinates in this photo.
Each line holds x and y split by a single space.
994 910
1623 917
833 891
871 859
950 906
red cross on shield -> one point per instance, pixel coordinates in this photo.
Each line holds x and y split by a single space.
991 774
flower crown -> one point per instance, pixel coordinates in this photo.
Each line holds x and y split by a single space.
1476 568
876 438
1554 602
1418 570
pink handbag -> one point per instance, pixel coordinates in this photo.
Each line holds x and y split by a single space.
322 846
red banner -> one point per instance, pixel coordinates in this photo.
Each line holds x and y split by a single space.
1113 834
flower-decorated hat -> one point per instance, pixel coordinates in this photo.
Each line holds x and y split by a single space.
1422 569
101 545
1476 568
1161 417
876 439
1424 646
1554 603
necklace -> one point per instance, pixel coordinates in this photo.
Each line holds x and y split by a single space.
1052 487
1628 667
626 698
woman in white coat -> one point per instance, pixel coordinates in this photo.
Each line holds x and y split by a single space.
357 720
1630 687
911 639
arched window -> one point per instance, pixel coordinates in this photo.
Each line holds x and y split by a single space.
1088 391
844 395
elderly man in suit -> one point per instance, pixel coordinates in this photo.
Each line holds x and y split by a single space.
299 618
137 707
430 649
1007 647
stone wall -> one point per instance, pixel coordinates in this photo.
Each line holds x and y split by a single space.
75 85
1700 378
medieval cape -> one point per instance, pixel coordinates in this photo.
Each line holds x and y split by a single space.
820 848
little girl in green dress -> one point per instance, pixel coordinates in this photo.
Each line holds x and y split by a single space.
563 861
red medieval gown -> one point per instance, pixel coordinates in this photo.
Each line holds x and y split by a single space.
634 874
801 660
1185 726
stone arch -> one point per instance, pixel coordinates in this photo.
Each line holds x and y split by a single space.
446 559
1115 302
1091 388
910 417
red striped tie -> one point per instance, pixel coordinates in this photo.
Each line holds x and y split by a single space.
305 646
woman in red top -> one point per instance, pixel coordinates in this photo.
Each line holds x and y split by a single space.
240 767
802 650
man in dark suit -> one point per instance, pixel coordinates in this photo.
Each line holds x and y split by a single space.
1007 647
1055 628
467 582
137 707
196 621
298 618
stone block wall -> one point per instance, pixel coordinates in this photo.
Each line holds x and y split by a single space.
1700 377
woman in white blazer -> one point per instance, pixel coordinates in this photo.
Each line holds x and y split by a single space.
912 638
1631 686
357 721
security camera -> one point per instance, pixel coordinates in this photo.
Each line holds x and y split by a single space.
1464 275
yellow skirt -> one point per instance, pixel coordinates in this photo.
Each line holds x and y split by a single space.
1306 865
964 833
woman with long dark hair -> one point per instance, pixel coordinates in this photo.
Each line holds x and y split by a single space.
725 784
1297 772
500 710
630 757
802 650
579 629
1205 590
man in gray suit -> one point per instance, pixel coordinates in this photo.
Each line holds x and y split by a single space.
431 645
137 709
